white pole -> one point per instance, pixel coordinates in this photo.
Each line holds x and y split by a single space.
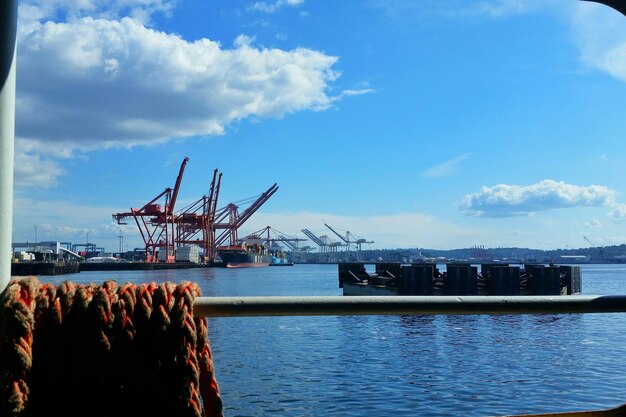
8 31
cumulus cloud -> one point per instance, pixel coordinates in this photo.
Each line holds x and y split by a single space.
69 221
446 168
504 200
618 214
141 10
593 224
33 171
600 34
101 83
92 75
271 7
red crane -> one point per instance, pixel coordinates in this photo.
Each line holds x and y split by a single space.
156 222
236 220
198 219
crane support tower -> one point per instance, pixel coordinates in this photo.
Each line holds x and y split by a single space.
156 221
195 222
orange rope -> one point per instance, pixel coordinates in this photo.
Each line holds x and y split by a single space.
104 350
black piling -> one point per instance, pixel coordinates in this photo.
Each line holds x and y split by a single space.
417 279
389 269
460 279
348 270
502 279
571 279
543 280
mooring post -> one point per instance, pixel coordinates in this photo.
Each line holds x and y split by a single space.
8 34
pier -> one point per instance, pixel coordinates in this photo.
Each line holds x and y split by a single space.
58 268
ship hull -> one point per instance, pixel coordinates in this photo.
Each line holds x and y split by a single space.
236 259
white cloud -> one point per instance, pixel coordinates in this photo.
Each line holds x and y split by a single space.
498 8
593 224
600 34
348 93
69 221
32 171
457 9
446 168
271 7
95 83
140 10
101 83
504 200
618 214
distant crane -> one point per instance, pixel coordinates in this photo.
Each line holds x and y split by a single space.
349 238
326 245
600 249
272 236
590 242
319 242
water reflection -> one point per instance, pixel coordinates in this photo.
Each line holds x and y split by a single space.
404 365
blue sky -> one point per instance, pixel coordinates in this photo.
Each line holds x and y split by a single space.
436 124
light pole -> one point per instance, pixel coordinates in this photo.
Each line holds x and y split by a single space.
8 33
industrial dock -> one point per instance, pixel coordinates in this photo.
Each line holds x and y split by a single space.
460 279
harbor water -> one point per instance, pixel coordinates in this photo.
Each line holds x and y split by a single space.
402 365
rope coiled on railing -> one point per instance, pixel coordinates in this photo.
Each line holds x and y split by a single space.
104 350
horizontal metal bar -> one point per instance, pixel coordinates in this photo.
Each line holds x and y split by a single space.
390 305
612 412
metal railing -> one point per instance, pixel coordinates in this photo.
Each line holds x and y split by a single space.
426 305
394 305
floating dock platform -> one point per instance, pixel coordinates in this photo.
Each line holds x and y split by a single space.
54 268
460 279
43 268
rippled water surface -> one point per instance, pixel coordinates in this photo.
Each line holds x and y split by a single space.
403 365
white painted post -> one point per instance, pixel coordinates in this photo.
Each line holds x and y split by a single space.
8 33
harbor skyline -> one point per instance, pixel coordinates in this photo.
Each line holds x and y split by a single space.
436 125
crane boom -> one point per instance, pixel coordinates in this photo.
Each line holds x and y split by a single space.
237 220
340 237
590 242
179 179
314 238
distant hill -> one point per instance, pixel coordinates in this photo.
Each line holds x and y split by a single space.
616 253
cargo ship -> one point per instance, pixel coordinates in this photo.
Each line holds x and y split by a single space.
280 259
252 253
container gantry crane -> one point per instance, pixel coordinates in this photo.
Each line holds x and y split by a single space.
271 236
156 221
229 220
196 221
319 242
327 246
351 239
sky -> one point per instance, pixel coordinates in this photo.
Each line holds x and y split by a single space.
433 124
